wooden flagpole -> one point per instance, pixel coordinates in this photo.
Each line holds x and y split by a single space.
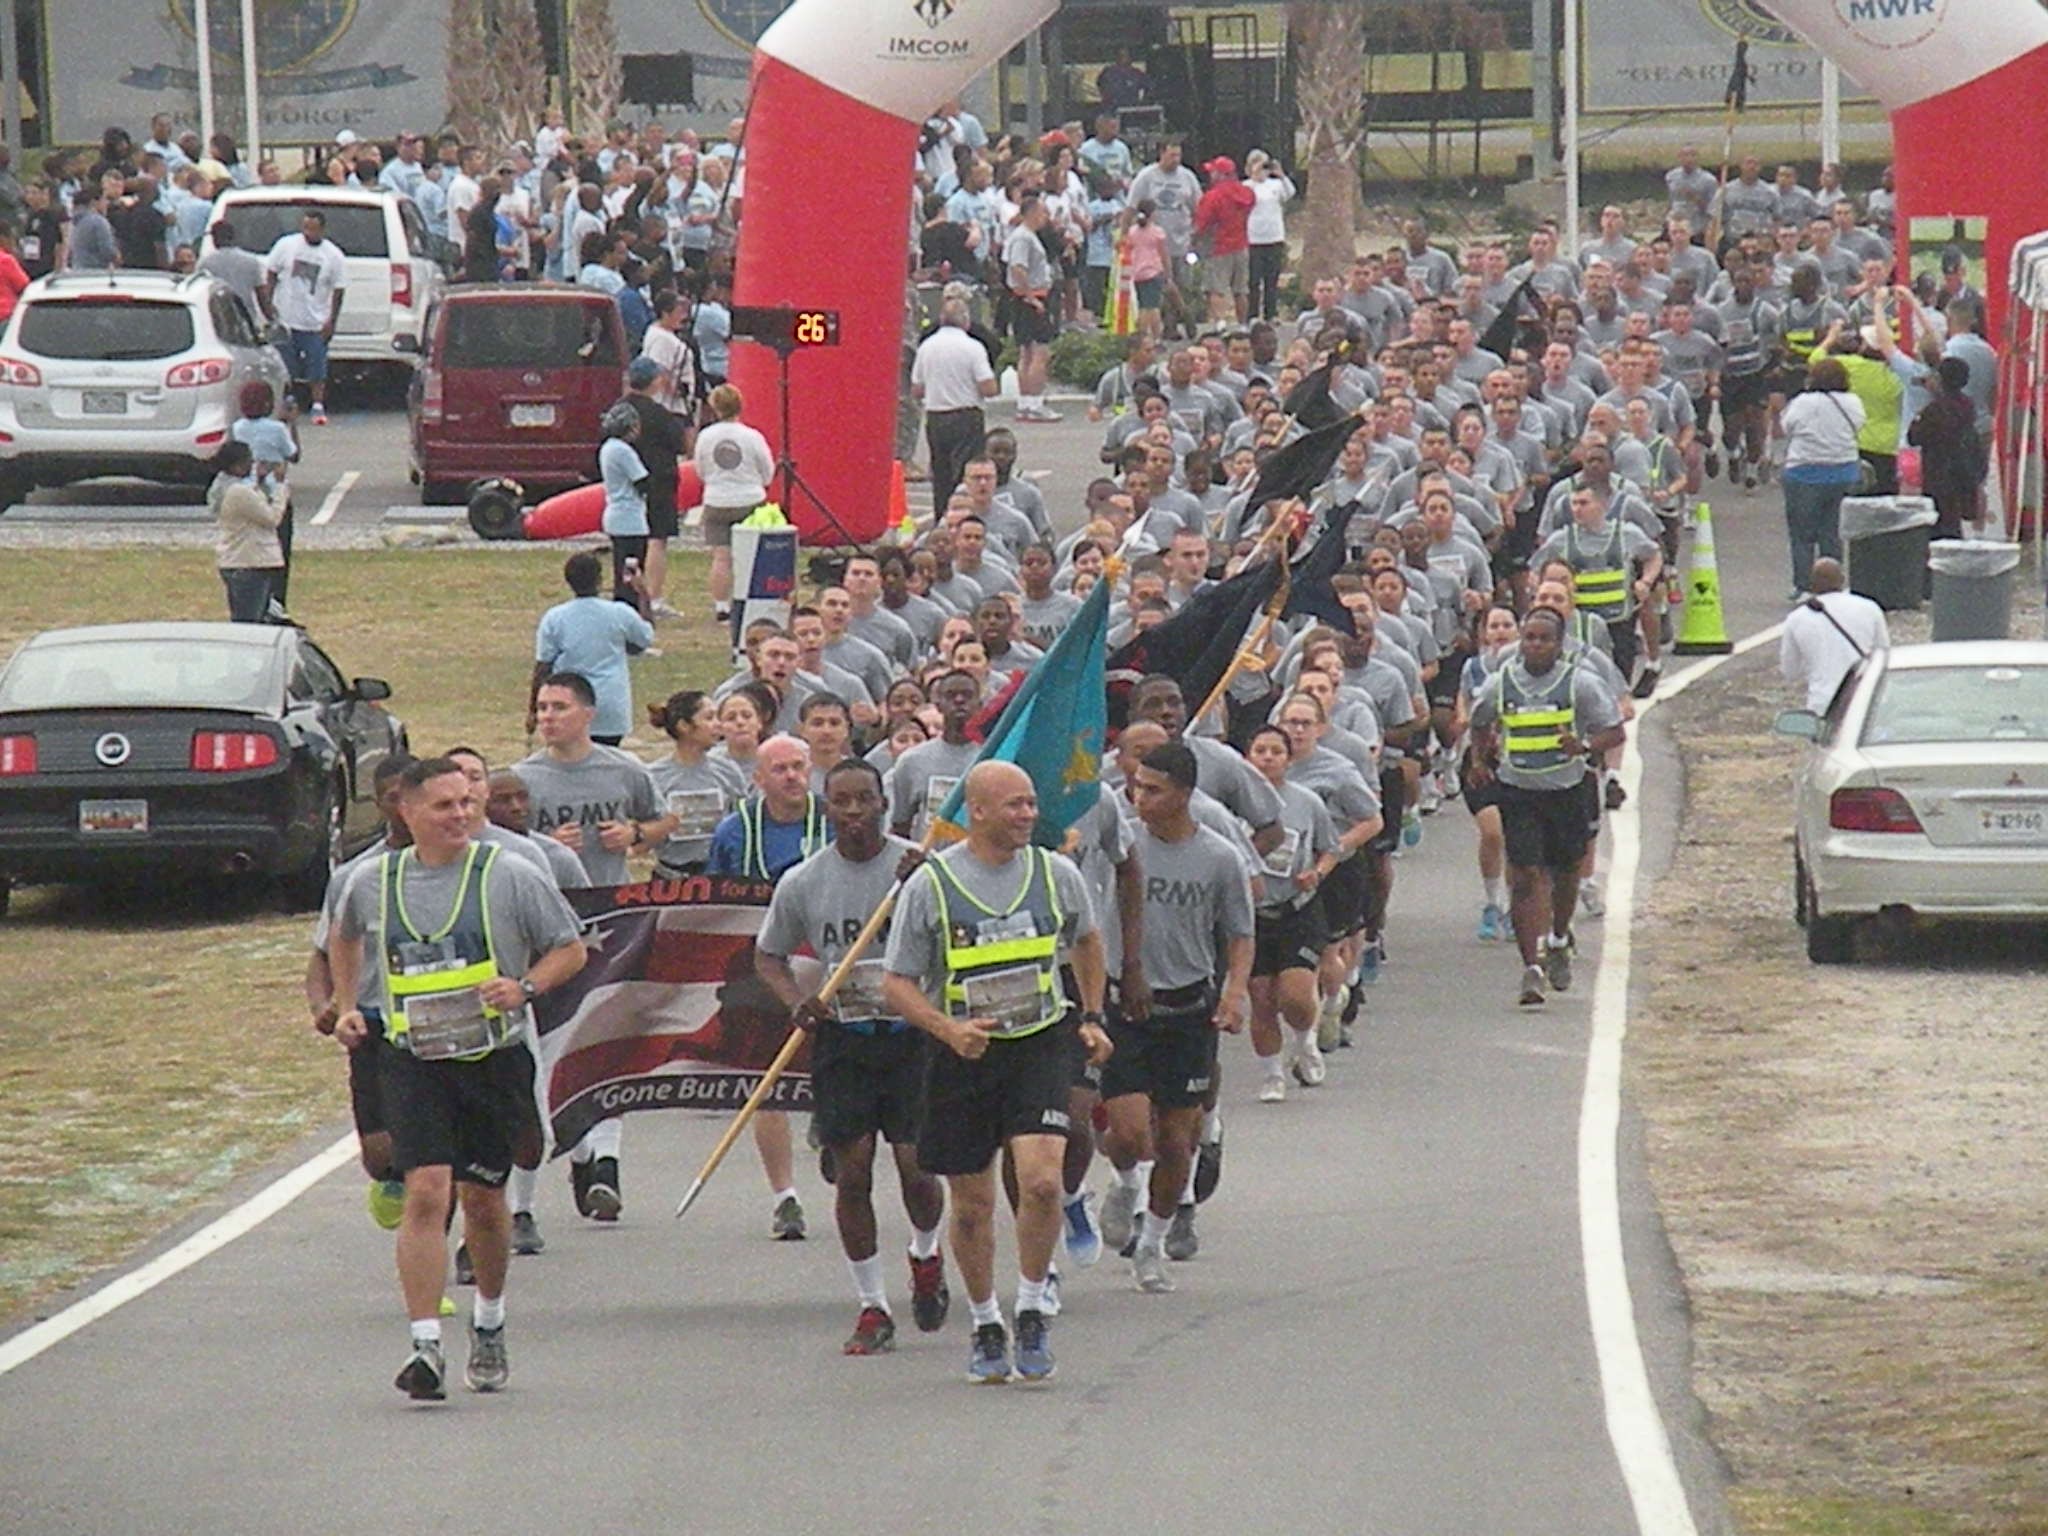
1281 529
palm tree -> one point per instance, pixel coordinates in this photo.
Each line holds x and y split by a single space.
519 74
1330 55
596 81
469 68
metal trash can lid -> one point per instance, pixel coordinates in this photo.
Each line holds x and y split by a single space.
1863 516
1972 557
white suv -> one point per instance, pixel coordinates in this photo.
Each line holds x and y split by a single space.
393 278
123 373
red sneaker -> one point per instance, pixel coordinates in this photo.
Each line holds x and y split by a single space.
873 1334
929 1297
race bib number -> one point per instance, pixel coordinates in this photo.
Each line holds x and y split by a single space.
1280 861
31 247
860 995
937 790
1018 925
697 811
444 1024
1010 996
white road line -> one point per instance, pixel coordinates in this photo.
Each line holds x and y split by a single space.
332 504
1634 1425
246 1217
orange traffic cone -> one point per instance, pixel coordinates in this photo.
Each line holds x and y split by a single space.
899 504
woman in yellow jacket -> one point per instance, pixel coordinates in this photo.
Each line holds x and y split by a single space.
1873 380
246 548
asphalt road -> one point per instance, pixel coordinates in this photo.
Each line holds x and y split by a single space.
1386 1330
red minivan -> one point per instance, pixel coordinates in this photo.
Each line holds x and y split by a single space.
512 383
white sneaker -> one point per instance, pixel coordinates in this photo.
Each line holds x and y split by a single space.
661 608
1274 1091
1309 1068
1591 902
1119 1209
1329 1023
1148 1268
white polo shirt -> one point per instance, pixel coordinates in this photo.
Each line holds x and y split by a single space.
950 367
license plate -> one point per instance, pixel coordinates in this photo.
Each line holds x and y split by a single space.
104 402
533 415
113 818
2013 823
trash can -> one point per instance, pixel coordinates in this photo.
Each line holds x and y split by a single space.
1972 588
1884 539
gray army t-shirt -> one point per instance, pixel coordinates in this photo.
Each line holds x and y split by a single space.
917 947
1197 899
607 785
822 904
922 779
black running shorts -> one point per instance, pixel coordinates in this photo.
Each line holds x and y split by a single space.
1344 894
862 1084
365 1095
1290 940
1017 1088
1550 828
1168 1057
462 1115
1393 801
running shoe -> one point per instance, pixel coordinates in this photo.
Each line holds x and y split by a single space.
1309 1067
1491 924
1448 779
1411 829
1354 1004
874 1333
526 1238
1432 798
447 1306
1084 1242
662 608
1557 964
787 1224
1182 1243
424 1378
1051 1293
1148 1269
319 415
1617 797
579 1184
1646 684
465 1271
603 1191
988 1362
1034 1351
488 1367
1713 465
1749 478
929 1298
1209 1166
1274 1091
1329 1026
386 1199
1591 902
1369 965
1119 1212
1532 986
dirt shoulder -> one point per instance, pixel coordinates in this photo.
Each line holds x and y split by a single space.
1853 1167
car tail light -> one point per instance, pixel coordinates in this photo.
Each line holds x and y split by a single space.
14 371
210 439
232 751
200 371
1871 810
432 396
17 755
401 285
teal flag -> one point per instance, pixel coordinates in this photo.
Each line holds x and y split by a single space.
1053 727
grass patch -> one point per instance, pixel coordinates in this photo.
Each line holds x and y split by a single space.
153 1048
1767 1513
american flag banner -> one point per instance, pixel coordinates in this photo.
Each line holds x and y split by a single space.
668 1013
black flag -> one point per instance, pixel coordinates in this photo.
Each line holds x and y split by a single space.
1196 645
1500 336
1309 402
1303 464
1309 588
1737 95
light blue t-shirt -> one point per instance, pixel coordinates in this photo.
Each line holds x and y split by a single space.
1983 360
625 504
269 440
592 636
712 331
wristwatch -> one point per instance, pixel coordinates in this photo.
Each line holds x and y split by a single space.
529 989
1091 1018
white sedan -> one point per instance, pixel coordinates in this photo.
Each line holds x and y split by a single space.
1926 791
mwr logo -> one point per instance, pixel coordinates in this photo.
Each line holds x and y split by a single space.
1748 18
1892 24
933 13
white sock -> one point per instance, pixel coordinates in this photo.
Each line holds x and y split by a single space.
1187 1193
1152 1232
1132 1177
787 1194
1304 1039
1141 1174
426 1330
923 1245
1030 1295
583 1152
1212 1124
867 1281
984 1312
1494 893
1274 1071
523 1183
488 1311
606 1136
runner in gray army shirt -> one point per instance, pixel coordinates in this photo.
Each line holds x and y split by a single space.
597 800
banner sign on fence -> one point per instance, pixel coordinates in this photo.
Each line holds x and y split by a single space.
1674 55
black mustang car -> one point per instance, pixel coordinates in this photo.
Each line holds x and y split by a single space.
173 749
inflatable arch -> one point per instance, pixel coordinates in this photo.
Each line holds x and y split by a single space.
840 88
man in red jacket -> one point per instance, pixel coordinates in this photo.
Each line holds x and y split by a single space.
1223 215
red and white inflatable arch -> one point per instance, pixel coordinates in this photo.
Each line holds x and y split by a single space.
840 89
1966 83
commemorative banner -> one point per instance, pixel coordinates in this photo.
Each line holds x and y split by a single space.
1675 55
668 1012
322 65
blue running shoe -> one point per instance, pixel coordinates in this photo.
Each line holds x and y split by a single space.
1411 829
1084 1240
1491 926
1369 965
988 1365
1034 1354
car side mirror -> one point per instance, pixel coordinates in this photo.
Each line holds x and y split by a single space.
405 344
1802 723
369 690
